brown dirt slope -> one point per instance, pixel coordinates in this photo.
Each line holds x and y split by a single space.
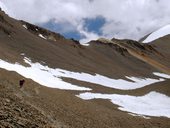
16 113
144 52
163 45
62 109
58 52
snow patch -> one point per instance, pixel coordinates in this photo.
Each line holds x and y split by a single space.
108 82
47 76
25 26
132 114
41 74
151 104
112 83
22 54
85 44
158 34
40 35
162 75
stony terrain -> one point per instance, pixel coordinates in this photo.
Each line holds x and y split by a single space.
38 106
15 112
35 105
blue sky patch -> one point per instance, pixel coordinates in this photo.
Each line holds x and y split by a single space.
51 25
74 34
69 31
95 24
64 29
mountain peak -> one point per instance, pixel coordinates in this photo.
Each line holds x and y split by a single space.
158 34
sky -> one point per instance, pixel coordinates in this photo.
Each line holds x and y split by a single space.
86 20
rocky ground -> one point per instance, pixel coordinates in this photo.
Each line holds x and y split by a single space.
16 113
37 106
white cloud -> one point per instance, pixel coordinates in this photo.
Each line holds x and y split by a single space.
88 35
124 18
4 8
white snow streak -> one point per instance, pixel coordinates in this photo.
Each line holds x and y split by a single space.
40 74
50 77
22 54
85 44
158 34
162 75
132 114
25 26
40 35
151 104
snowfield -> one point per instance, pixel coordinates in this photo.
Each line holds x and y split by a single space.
158 34
40 74
52 77
151 104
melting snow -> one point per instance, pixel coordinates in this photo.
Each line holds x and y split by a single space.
162 75
132 114
157 34
151 104
25 26
111 83
85 44
22 54
40 74
52 77
40 35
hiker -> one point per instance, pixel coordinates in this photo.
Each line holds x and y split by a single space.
21 83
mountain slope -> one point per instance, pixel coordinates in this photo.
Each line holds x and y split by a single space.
160 41
158 34
144 52
67 53
108 68
63 109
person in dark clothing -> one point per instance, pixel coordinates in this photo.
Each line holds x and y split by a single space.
21 83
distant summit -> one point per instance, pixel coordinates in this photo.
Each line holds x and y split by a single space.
158 34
